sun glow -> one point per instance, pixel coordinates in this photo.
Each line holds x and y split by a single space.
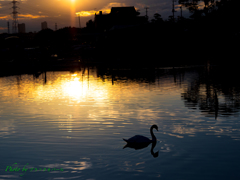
105 10
63 86
86 13
75 88
73 11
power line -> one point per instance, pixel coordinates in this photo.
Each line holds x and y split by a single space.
30 11
26 9
4 4
34 10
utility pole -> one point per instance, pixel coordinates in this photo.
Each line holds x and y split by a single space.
79 20
8 27
181 11
146 10
55 26
173 10
15 17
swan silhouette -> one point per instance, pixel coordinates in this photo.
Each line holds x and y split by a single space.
139 142
138 139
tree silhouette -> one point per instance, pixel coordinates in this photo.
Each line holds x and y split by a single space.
157 18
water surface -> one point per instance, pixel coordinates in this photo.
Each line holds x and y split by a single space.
75 121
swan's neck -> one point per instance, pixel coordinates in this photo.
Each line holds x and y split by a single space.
156 153
153 145
153 136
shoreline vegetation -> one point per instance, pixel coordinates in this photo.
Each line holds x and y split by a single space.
210 36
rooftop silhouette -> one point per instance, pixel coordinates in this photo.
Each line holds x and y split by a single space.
118 16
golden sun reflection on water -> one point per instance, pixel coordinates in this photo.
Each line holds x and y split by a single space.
74 101
59 86
78 88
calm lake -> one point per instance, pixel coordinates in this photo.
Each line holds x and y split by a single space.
74 121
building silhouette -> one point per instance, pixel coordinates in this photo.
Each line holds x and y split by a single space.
44 25
21 28
118 17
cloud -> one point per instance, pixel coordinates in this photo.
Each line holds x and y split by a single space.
5 17
3 28
87 13
22 16
141 6
30 16
105 10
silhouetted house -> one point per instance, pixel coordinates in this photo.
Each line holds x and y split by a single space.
90 24
119 16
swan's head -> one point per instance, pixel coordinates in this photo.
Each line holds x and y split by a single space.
154 127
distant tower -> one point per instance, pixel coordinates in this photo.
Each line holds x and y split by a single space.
15 17
21 28
44 25
55 26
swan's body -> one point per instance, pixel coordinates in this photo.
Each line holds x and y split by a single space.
139 141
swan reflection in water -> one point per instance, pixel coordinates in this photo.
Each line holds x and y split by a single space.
140 142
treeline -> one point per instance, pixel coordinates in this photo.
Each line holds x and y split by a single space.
210 35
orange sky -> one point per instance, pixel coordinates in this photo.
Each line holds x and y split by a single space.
63 12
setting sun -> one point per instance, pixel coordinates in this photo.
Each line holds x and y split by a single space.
73 11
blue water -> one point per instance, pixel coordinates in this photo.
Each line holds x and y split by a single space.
75 121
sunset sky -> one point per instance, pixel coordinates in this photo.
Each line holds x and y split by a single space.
63 12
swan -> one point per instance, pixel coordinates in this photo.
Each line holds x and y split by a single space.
137 146
137 140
